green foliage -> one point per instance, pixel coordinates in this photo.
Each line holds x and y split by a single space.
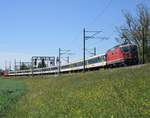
10 90
42 64
114 93
24 67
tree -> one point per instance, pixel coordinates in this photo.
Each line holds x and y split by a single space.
137 31
42 64
24 67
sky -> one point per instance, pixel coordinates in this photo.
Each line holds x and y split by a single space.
40 27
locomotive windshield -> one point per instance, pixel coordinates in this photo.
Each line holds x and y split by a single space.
134 48
125 49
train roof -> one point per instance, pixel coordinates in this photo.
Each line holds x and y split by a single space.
121 45
81 60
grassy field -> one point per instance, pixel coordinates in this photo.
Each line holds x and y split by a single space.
117 93
10 91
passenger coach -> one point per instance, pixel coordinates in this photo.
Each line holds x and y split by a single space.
94 62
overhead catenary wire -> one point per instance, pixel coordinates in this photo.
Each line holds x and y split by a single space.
99 14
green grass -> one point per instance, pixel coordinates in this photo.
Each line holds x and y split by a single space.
117 93
10 90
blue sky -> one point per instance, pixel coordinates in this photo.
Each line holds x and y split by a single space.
40 27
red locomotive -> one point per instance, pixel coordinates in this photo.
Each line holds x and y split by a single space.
120 55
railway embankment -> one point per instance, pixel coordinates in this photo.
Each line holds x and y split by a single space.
114 93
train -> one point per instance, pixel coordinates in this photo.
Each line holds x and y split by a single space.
120 55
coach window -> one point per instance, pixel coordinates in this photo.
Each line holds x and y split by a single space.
102 58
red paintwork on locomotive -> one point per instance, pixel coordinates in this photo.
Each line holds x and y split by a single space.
117 56
114 55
